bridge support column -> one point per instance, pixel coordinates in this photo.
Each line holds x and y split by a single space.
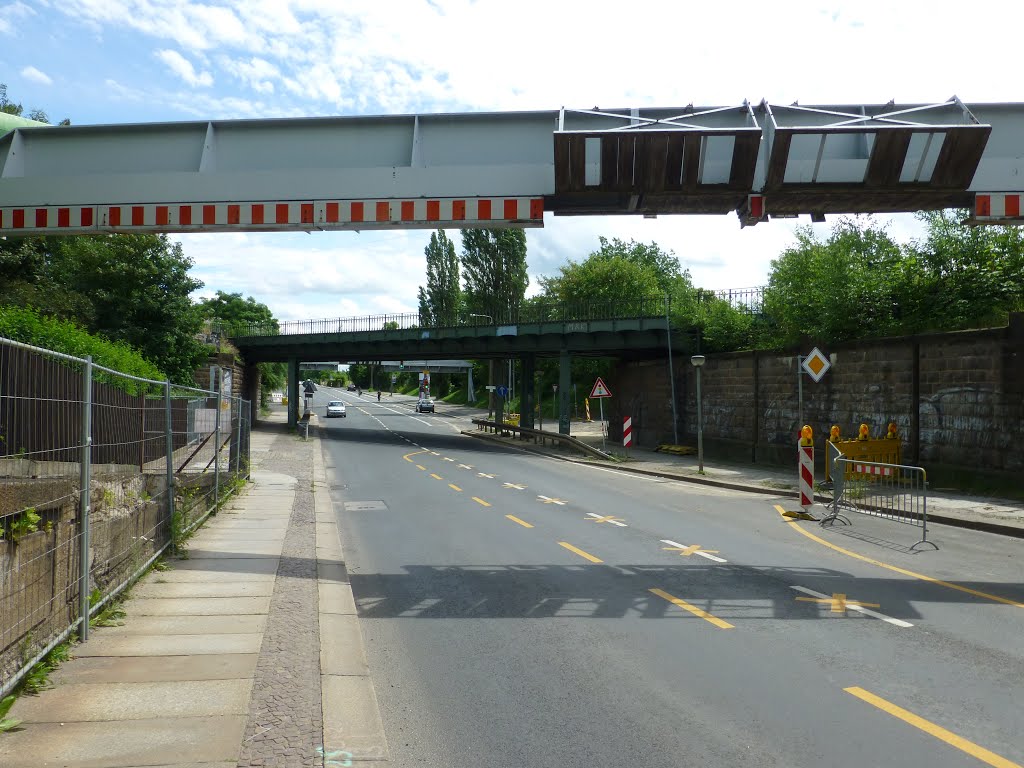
294 394
564 391
527 397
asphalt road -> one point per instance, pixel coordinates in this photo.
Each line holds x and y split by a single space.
520 610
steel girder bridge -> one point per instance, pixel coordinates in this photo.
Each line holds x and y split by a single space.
507 169
634 330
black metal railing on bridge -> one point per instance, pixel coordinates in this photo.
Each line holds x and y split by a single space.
526 314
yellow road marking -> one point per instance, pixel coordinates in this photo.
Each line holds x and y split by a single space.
932 729
687 551
604 519
454 487
478 500
692 609
420 466
897 569
414 453
436 477
580 552
838 602
515 519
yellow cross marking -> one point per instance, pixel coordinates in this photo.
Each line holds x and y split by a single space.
605 519
687 551
549 500
838 602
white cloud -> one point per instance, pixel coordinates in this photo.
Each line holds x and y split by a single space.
36 76
183 68
12 11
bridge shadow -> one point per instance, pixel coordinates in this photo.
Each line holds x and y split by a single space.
439 441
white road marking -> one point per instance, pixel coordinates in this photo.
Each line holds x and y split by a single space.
854 607
484 474
707 555
447 459
549 500
464 466
513 485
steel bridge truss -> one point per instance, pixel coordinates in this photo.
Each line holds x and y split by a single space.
508 169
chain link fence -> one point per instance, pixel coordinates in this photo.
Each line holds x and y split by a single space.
100 474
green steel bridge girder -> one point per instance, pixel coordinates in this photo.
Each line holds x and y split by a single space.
635 338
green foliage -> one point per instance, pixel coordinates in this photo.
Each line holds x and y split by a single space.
230 309
494 271
441 300
6 703
24 524
29 327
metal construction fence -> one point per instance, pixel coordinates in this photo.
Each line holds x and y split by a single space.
100 473
896 492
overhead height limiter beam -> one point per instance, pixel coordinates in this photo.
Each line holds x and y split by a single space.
507 169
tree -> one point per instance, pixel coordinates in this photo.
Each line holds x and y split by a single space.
231 309
440 300
664 265
494 271
605 279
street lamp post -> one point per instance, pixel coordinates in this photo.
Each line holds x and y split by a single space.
698 361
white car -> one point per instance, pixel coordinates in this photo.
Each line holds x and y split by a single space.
424 404
336 408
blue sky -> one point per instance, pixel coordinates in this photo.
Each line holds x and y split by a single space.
115 61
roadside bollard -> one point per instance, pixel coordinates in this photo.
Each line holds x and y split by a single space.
806 467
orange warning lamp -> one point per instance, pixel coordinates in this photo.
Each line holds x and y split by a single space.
807 435
834 434
864 433
891 435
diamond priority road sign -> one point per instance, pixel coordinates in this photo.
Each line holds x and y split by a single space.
816 364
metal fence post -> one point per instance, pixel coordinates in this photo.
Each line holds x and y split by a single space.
216 440
169 445
85 481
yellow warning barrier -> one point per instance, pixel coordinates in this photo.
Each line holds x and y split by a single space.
881 450
513 419
677 450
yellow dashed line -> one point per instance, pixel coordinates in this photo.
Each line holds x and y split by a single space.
932 729
478 500
436 477
515 519
414 453
897 569
454 487
692 609
420 466
580 552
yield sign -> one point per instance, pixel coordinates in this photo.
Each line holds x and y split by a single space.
600 389
816 364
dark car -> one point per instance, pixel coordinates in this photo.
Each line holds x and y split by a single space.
351 387
424 405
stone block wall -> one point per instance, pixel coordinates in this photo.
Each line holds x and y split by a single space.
956 398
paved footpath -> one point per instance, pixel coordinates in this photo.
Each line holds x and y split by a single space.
247 653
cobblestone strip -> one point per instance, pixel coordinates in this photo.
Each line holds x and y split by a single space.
285 724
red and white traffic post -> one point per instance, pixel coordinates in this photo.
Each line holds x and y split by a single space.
806 467
627 431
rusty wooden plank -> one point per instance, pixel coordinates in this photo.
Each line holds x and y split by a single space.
777 162
887 156
609 161
691 161
562 175
627 152
655 156
674 161
959 157
577 163
744 160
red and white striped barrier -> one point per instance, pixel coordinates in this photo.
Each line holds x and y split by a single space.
276 215
627 431
872 469
806 466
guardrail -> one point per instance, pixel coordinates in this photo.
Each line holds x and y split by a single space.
538 436
897 492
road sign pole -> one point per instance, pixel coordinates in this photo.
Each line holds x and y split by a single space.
604 427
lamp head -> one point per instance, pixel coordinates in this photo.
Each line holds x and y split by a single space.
697 361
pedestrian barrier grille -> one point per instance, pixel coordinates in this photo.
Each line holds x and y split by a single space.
155 458
896 492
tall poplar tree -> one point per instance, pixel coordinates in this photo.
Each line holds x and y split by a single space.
494 271
441 299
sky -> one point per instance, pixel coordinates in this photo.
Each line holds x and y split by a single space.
121 61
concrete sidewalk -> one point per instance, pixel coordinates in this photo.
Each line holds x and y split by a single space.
247 653
949 507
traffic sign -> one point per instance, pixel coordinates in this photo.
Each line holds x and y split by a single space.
600 389
502 391
816 364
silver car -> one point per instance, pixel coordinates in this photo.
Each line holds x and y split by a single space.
336 408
